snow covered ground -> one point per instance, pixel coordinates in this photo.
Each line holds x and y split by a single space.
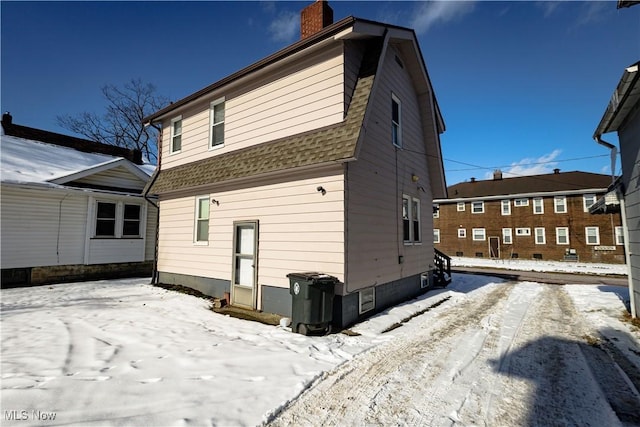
541 265
127 353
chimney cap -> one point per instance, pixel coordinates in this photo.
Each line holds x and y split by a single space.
556 171
7 118
497 174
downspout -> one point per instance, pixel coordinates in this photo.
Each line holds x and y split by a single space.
145 194
614 154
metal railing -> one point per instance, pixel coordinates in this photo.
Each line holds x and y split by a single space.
442 274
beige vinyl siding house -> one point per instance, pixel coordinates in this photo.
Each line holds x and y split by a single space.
308 177
69 214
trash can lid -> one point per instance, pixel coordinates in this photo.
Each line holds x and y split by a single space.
312 276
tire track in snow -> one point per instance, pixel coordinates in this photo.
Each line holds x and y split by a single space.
393 383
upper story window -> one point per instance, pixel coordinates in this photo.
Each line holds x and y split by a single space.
588 199
216 120
619 234
436 235
460 206
538 205
396 121
477 207
506 207
521 202
560 204
176 135
201 234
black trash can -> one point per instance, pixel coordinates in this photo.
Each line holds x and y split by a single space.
312 302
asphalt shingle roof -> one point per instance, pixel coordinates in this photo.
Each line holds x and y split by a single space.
562 181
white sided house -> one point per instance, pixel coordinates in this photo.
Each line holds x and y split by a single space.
323 157
72 209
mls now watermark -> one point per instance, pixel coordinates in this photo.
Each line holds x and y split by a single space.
33 415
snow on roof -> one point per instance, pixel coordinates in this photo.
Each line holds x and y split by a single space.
27 161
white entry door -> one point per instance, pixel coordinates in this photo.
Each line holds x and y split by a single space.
245 262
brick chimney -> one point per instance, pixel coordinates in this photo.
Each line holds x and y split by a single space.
314 18
556 171
497 175
7 119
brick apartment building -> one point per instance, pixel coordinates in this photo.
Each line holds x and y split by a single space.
530 217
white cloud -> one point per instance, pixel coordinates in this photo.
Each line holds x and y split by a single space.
430 13
285 27
592 11
531 166
548 7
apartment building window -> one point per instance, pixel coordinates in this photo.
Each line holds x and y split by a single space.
562 235
506 207
592 235
477 207
436 235
560 204
460 206
202 220
411 228
176 135
462 233
479 234
521 202
396 123
619 235
436 212
522 231
540 236
507 237
588 199
538 206
216 119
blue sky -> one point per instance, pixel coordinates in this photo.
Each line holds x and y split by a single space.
522 85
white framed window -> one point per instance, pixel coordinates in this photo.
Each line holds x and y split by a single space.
588 200
479 234
506 207
619 234
411 227
562 235
201 233
560 204
477 207
507 237
396 121
415 220
538 206
592 235
460 206
436 235
436 212
131 220
366 300
462 233
176 135
105 219
541 239
406 219
521 202
523 231
216 122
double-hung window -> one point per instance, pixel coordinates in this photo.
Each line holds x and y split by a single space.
436 235
592 235
131 221
560 204
479 234
540 236
396 121
462 233
506 207
411 228
477 207
507 237
217 113
588 200
460 206
176 135
538 206
106 219
202 220
619 236
562 235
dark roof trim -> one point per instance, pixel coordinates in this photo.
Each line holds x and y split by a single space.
628 82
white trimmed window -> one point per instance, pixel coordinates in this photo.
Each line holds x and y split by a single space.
436 235
411 228
436 212
216 120
506 207
131 221
105 219
415 220
592 235
538 206
460 206
176 135
477 207
619 233
523 231
521 202
588 200
560 204
562 235
396 121
462 233
479 234
507 237
201 234
541 239
117 220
